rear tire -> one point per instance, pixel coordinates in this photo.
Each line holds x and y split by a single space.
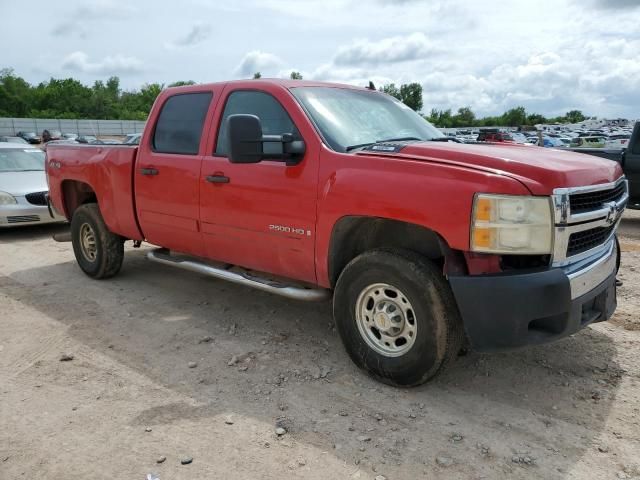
98 251
397 317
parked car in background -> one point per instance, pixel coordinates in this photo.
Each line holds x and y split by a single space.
105 141
86 138
69 136
23 187
30 137
132 139
618 141
518 137
587 142
490 135
48 135
19 140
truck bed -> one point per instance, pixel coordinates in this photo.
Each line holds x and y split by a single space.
97 166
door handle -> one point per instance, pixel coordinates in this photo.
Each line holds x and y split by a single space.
217 179
149 171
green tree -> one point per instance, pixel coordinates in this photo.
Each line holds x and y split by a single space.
441 118
536 118
391 89
411 95
296 76
464 118
514 117
182 83
257 75
15 94
575 116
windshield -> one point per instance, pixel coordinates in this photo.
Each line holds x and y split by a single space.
21 160
348 118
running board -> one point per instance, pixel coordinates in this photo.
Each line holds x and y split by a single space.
164 257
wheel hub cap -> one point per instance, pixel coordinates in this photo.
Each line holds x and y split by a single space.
386 319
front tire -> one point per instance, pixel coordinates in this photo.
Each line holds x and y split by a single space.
397 317
98 251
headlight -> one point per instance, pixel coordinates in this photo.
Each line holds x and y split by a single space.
6 199
511 224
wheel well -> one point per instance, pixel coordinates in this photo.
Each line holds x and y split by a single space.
355 235
74 194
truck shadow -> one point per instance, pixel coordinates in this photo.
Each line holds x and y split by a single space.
19 234
278 360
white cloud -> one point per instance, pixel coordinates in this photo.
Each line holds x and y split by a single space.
196 35
79 20
388 50
584 55
110 65
258 61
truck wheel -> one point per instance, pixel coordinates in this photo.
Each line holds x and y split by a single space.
98 251
397 316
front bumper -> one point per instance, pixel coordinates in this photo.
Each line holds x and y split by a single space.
23 213
511 310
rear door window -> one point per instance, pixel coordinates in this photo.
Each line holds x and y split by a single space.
179 126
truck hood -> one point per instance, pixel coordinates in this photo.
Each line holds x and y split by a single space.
19 184
539 169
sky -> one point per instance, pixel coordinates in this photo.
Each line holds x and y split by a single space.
550 56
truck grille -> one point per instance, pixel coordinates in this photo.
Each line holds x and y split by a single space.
580 242
584 202
37 198
23 219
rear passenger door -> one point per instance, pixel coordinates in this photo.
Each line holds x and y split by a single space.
168 170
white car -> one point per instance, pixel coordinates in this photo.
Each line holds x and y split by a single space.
23 187
618 140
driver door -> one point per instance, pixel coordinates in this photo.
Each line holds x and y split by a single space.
260 216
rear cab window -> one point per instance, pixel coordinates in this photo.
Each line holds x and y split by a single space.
180 123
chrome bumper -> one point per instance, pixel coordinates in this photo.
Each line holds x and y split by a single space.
590 272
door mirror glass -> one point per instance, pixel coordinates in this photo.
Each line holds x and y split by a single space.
245 138
247 144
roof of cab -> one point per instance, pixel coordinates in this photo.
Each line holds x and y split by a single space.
283 82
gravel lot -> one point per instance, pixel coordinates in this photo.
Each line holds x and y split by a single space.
172 365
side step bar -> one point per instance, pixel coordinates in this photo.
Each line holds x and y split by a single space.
163 256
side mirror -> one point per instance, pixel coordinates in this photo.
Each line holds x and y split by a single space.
245 138
247 144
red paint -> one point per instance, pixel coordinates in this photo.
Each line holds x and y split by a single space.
245 221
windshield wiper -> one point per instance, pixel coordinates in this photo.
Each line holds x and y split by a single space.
445 139
353 147
399 139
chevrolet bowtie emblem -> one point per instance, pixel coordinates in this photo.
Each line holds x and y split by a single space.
612 214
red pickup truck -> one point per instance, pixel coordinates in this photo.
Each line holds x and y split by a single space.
310 189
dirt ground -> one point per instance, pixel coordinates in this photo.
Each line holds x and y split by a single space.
131 396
